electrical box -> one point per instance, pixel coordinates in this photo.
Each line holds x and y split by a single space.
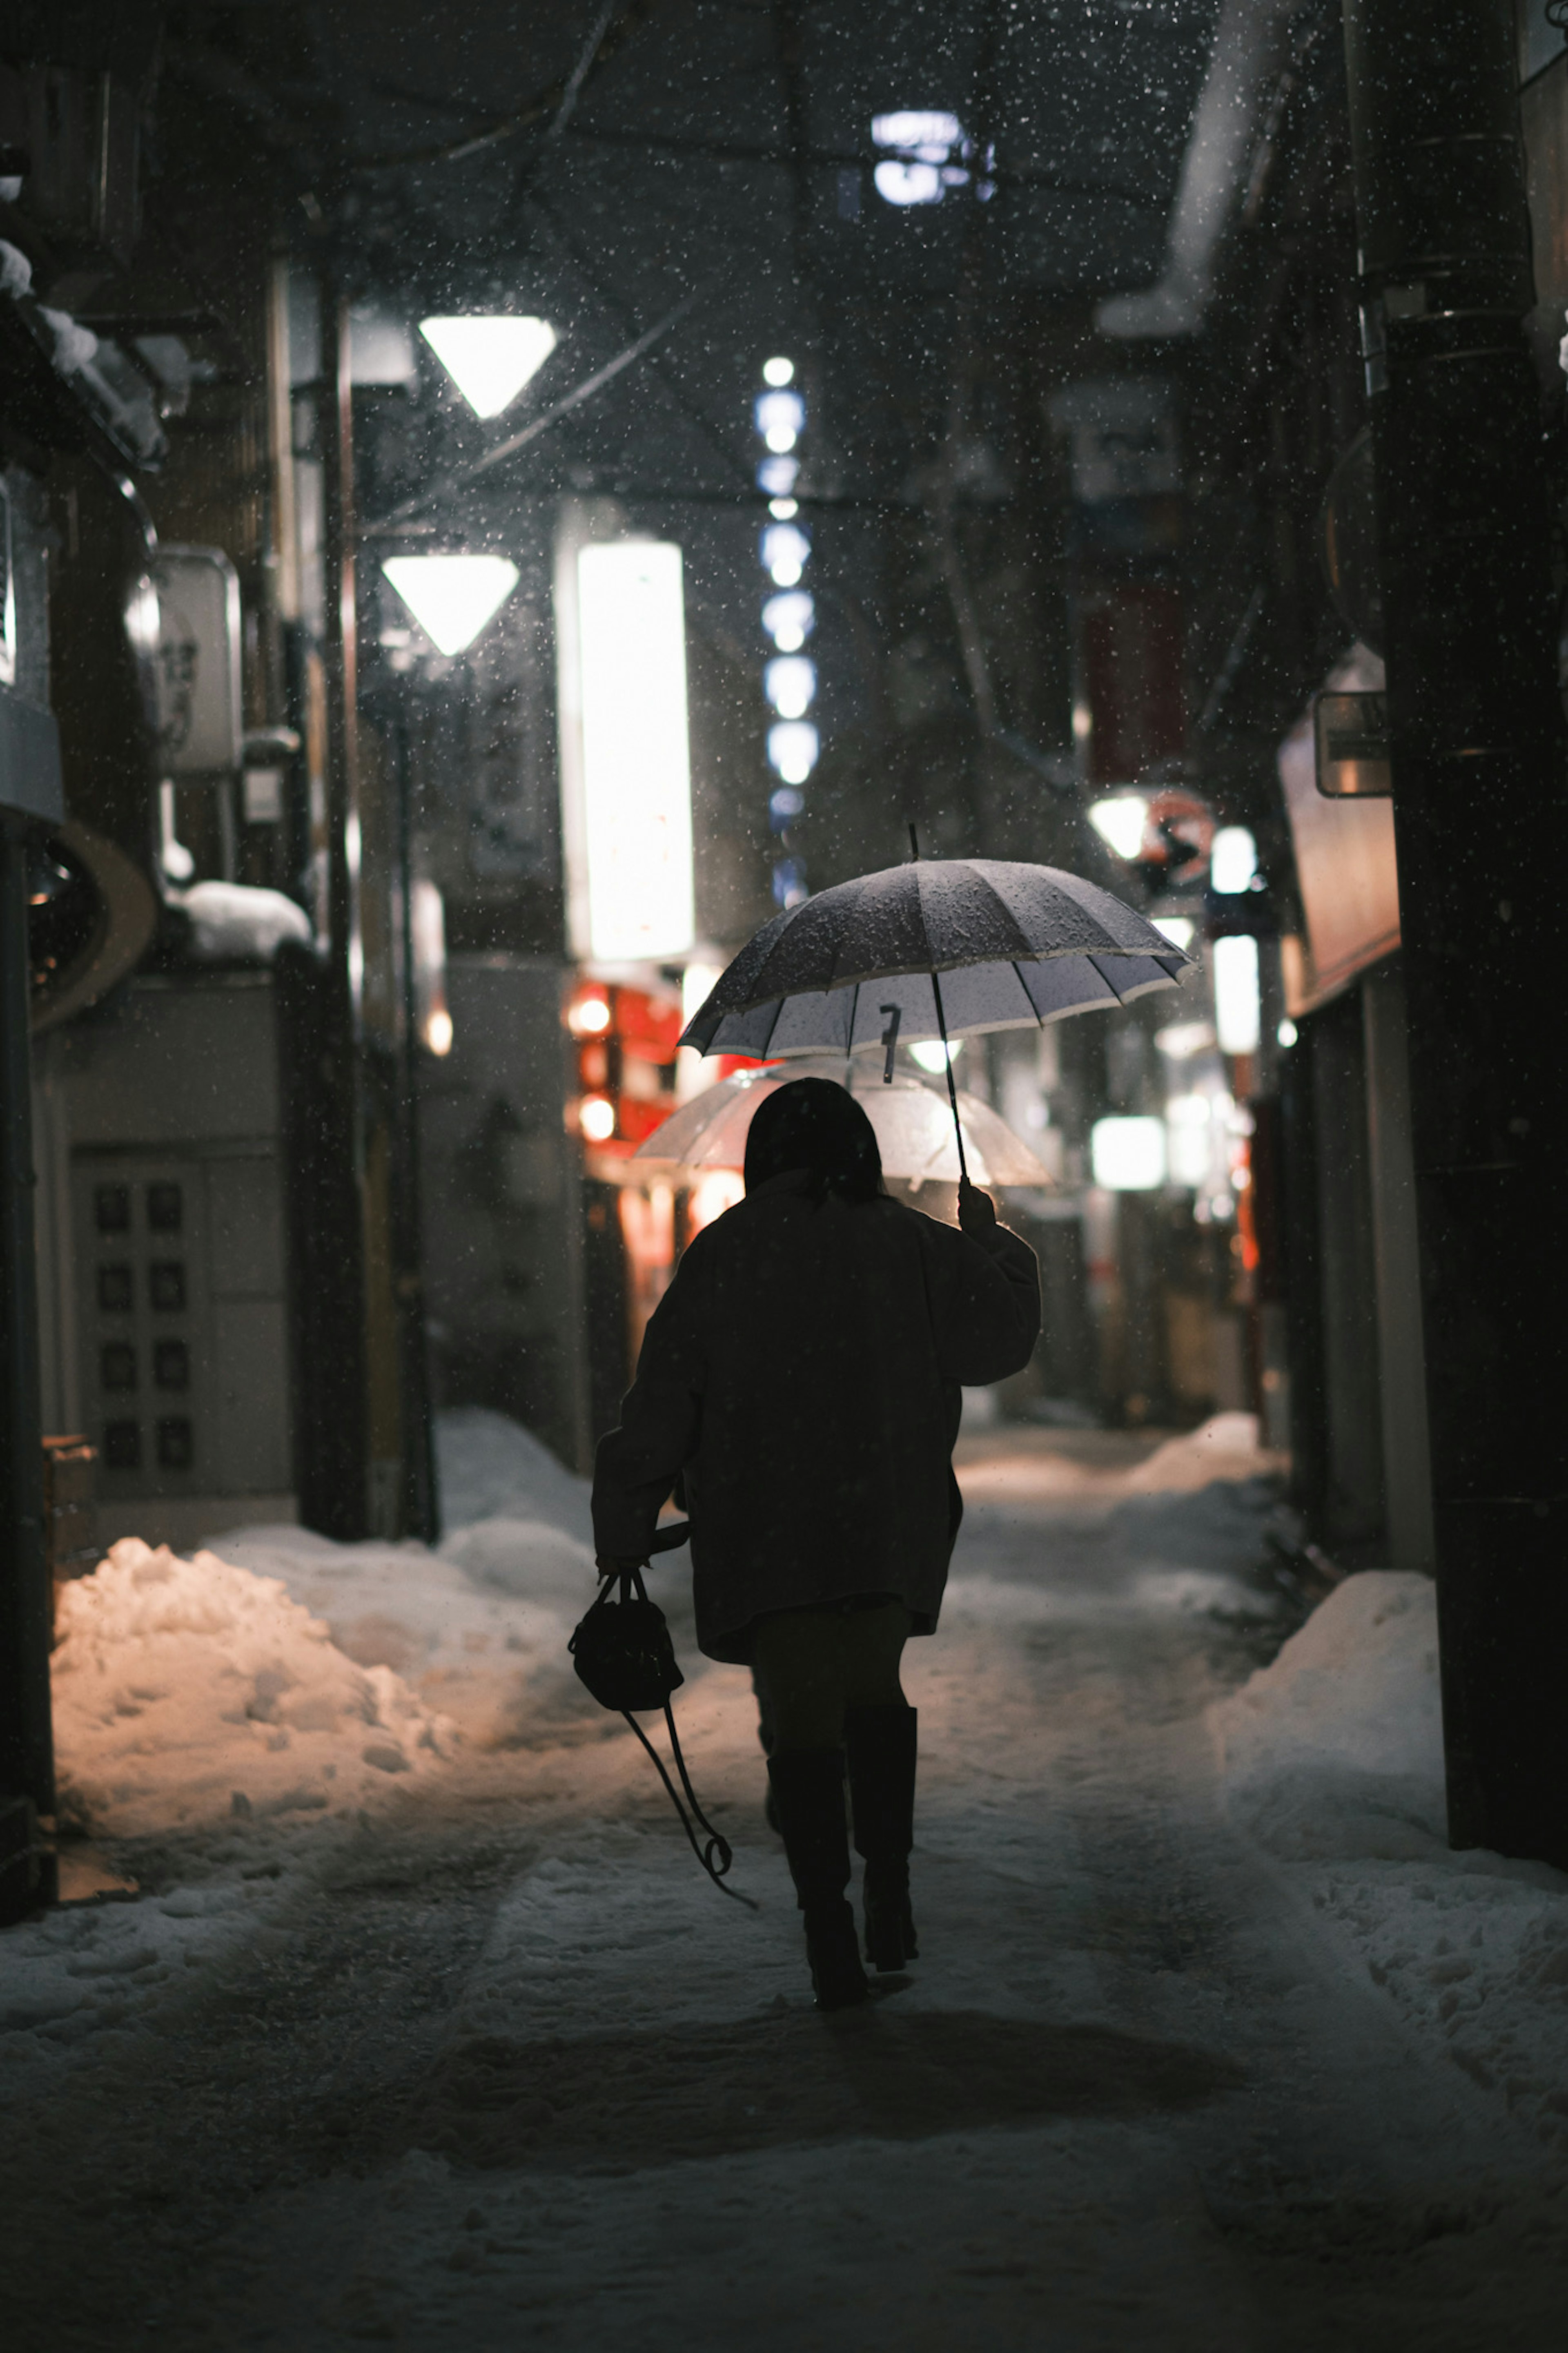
180 1291
163 1276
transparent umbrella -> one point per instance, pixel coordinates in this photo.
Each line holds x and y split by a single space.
914 1130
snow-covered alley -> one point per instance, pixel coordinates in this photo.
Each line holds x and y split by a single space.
1212 2045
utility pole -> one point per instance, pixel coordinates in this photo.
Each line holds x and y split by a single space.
319 1009
1481 824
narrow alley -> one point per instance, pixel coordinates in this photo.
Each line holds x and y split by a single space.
783 796
495 2063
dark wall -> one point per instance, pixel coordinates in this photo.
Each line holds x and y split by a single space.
1337 1435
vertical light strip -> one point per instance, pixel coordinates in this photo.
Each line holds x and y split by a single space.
635 832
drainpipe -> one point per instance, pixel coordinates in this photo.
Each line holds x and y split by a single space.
1476 721
1214 173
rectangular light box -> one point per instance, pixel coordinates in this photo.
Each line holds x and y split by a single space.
625 758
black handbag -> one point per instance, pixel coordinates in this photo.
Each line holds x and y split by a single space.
623 1653
622 1650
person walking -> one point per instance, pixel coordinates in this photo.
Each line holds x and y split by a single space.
799 1386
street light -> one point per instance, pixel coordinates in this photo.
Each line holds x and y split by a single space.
789 619
780 418
789 682
1119 822
785 550
490 360
792 747
452 596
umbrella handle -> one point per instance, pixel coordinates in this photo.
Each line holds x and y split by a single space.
947 1050
952 1088
891 1040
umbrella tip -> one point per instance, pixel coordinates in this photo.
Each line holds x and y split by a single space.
914 842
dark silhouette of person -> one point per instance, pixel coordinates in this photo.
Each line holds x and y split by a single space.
801 1379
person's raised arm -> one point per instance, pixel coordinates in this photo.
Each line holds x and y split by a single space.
983 1284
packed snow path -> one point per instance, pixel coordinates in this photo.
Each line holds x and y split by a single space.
500 2070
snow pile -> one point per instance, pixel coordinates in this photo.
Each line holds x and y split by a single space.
1333 1758
1225 1450
1337 1747
479 1631
490 1467
1474 1949
1221 1526
529 1559
1225 1447
189 1689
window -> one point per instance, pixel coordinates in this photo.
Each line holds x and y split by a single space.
166 1286
122 1446
115 1291
112 1209
177 1444
166 1209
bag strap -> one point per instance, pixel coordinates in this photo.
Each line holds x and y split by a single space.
717 1845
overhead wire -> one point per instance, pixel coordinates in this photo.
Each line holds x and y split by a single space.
459 480
553 105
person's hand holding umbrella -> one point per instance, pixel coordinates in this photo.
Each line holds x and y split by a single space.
976 1210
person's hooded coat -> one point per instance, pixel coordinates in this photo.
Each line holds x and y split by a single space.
801 1378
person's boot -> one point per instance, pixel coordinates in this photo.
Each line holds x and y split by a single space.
807 1785
882 1743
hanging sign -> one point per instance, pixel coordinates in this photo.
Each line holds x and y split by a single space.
196 691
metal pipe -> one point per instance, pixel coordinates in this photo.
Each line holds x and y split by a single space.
26 1753
1476 720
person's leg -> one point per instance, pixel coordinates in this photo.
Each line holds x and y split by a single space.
873 1650
798 1667
880 1735
765 1742
798 1664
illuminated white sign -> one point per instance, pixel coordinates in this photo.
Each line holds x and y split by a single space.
1238 1008
1127 1156
628 837
1233 860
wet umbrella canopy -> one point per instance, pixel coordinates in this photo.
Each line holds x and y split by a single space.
1016 946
